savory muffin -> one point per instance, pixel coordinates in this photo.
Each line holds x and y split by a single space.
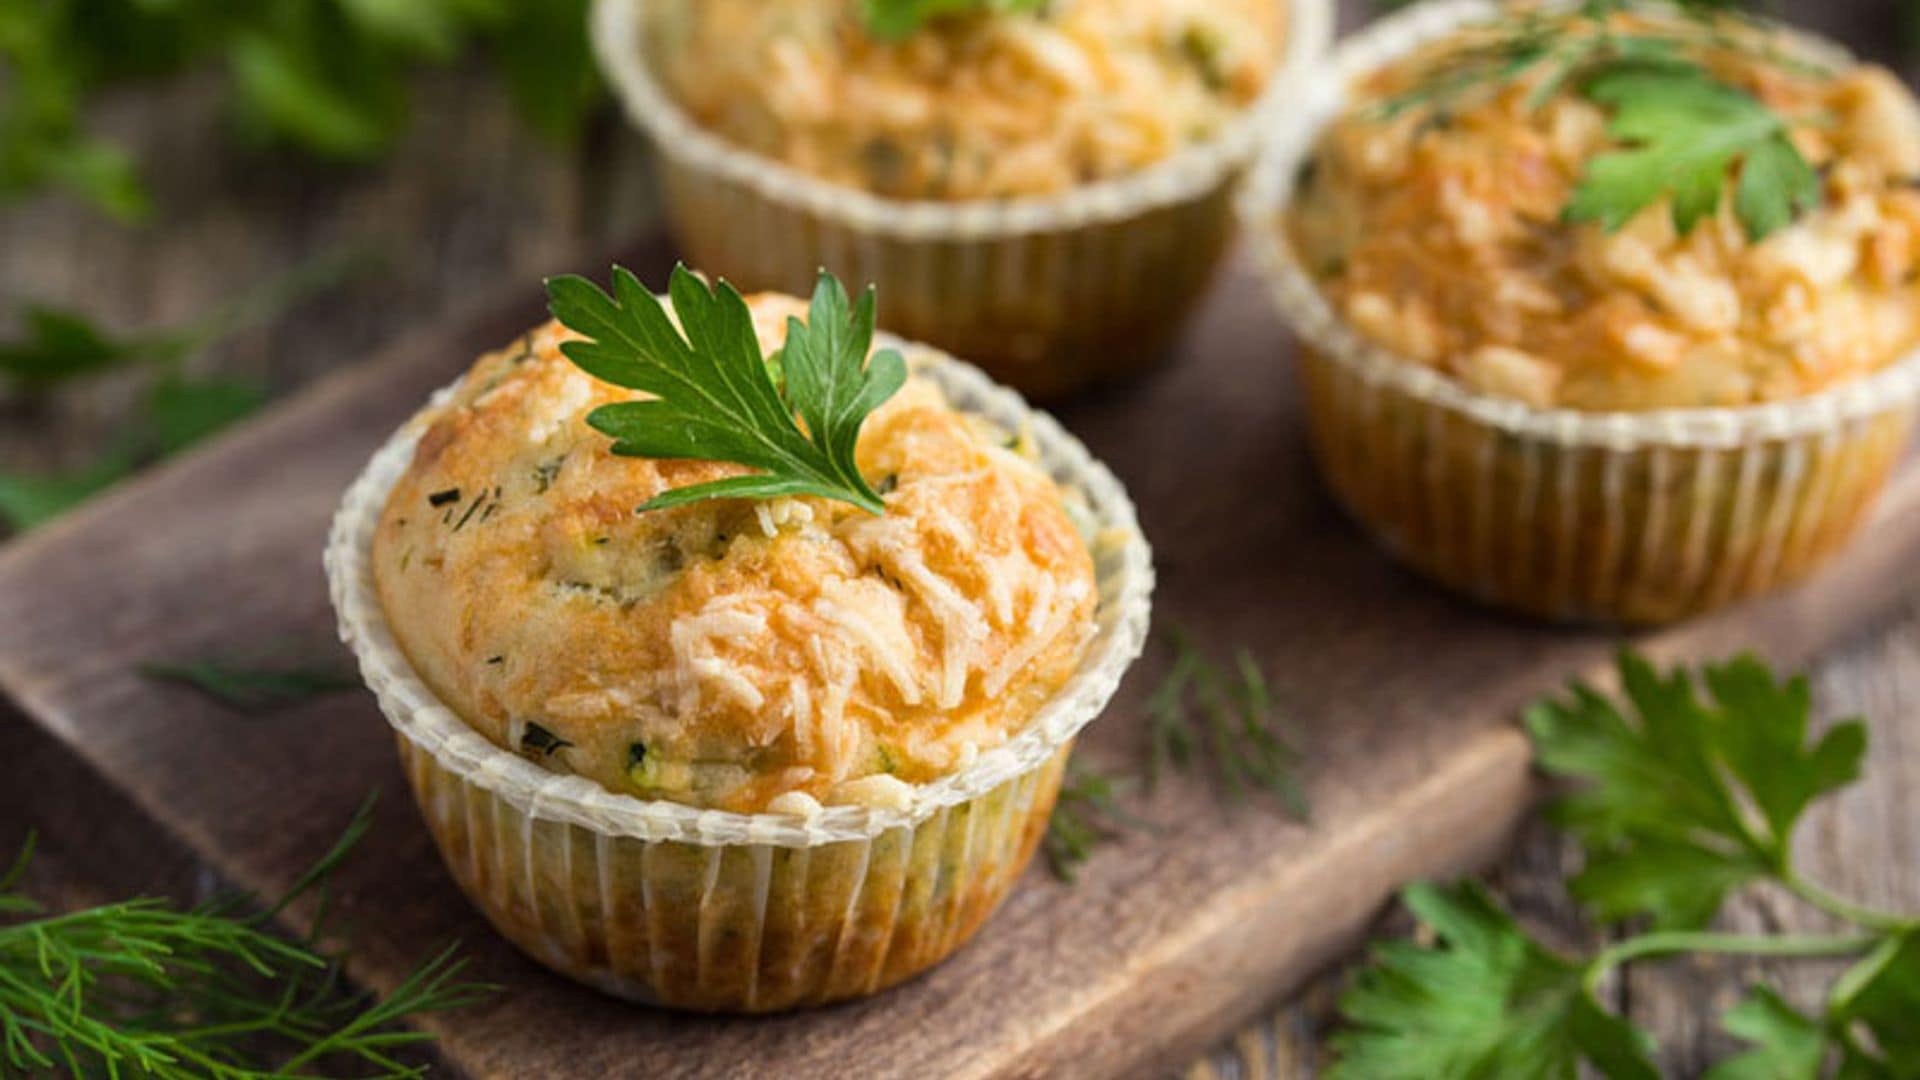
736 654
1608 312
1028 101
1042 188
780 742
1441 232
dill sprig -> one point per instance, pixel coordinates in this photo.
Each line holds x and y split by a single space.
1086 814
141 988
253 689
1231 718
1198 714
1562 44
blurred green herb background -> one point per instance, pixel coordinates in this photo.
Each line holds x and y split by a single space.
324 81
326 76
57 346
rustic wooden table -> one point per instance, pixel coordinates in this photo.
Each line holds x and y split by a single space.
470 199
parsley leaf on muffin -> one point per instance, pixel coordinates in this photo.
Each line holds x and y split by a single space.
716 395
891 20
1684 131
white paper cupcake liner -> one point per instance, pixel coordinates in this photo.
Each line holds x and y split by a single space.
1049 293
1637 517
705 909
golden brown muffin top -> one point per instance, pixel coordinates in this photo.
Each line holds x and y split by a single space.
733 654
1438 231
967 107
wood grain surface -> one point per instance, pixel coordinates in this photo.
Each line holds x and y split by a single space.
472 202
1403 696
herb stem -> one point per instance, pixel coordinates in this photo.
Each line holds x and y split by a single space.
264 302
1668 943
1841 908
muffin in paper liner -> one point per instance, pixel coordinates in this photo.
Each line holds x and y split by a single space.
1050 294
692 908
1627 517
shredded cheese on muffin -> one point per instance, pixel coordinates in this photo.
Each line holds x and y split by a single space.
731 654
980 106
1439 234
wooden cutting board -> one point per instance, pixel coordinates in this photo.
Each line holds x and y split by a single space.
1402 696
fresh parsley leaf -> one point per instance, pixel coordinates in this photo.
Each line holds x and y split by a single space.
253 689
892 20
41 138
185 411
1881 994
1685 133
713 396
1486 1000
98 172
57 344
1786 1045
1776 184
548 66
30 499
430 28
1682 794
312 81
1687 798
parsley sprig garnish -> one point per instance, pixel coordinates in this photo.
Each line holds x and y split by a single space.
1692 798
715 396
1682 799
143 988
892 20
1685 134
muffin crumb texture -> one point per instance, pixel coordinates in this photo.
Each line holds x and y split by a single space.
748 656
1437 232
971 106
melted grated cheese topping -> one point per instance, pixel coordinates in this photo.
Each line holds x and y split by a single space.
739 655
1442 236
979 106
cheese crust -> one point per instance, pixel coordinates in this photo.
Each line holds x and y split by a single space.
733 654
1438 233
968 107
